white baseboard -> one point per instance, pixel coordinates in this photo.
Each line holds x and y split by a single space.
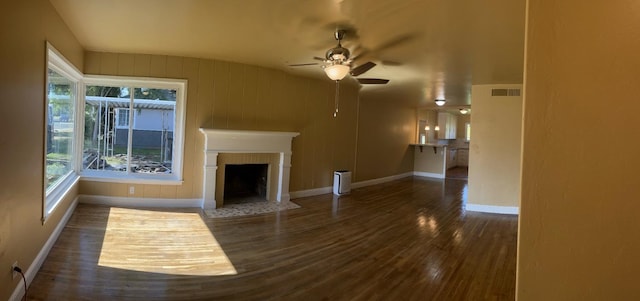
493 209
428 174
381 180
285 197
33 269
139 202
310 192
329 189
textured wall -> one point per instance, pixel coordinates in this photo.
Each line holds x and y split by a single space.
22 60
226 95
579 224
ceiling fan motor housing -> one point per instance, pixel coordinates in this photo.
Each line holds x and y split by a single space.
338 54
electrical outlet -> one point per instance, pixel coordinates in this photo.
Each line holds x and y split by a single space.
132 189
15 274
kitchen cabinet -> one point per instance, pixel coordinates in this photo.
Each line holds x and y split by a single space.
447 123
463 157
452 160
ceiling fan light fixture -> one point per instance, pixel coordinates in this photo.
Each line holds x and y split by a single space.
337 71
440 102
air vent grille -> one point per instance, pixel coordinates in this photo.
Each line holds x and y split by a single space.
505 92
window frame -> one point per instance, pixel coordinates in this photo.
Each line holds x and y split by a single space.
56 193
180 85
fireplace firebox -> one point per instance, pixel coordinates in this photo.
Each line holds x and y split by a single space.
245 181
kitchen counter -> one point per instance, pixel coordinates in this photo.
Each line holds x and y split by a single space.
434 145
430 144
430 164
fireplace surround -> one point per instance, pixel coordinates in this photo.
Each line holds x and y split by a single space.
219 141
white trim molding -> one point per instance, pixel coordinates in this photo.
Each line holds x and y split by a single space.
311 192
492 209
329 189
381 180
428 174
234 141
34 267
139 202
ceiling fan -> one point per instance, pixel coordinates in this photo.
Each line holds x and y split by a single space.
338 63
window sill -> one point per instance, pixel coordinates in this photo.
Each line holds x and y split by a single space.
131 179
57 194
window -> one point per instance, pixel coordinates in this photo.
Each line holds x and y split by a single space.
61 150
467 131
133 129
122 118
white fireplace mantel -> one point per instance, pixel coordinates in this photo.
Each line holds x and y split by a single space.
235 141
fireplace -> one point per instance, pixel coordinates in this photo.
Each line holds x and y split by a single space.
245 182
230 147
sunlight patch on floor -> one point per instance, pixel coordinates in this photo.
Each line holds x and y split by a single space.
176 243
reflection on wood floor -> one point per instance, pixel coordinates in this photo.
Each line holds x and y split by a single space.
458 172
410 239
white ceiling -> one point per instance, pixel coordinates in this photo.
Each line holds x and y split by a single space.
446 45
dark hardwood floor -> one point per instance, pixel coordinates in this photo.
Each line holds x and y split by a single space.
410 239
458 172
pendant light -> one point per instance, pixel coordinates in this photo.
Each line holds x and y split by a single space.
337 71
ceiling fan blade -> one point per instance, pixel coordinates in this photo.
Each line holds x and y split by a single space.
362 68
372 81
361 54
391 63
305 64
318 58
395 42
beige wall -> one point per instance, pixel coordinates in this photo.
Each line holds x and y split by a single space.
426 160
26 26
226 95
579 227
494 149
385 130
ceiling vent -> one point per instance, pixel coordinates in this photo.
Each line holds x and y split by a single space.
505 92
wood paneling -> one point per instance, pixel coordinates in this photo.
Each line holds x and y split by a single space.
228 95
406 240
386 128
125 64
109 63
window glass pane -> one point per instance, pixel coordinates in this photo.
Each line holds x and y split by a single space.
105 140
468 131
122 118
154 122
60 123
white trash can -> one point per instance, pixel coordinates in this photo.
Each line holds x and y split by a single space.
341 182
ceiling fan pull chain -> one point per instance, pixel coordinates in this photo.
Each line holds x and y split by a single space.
335 113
